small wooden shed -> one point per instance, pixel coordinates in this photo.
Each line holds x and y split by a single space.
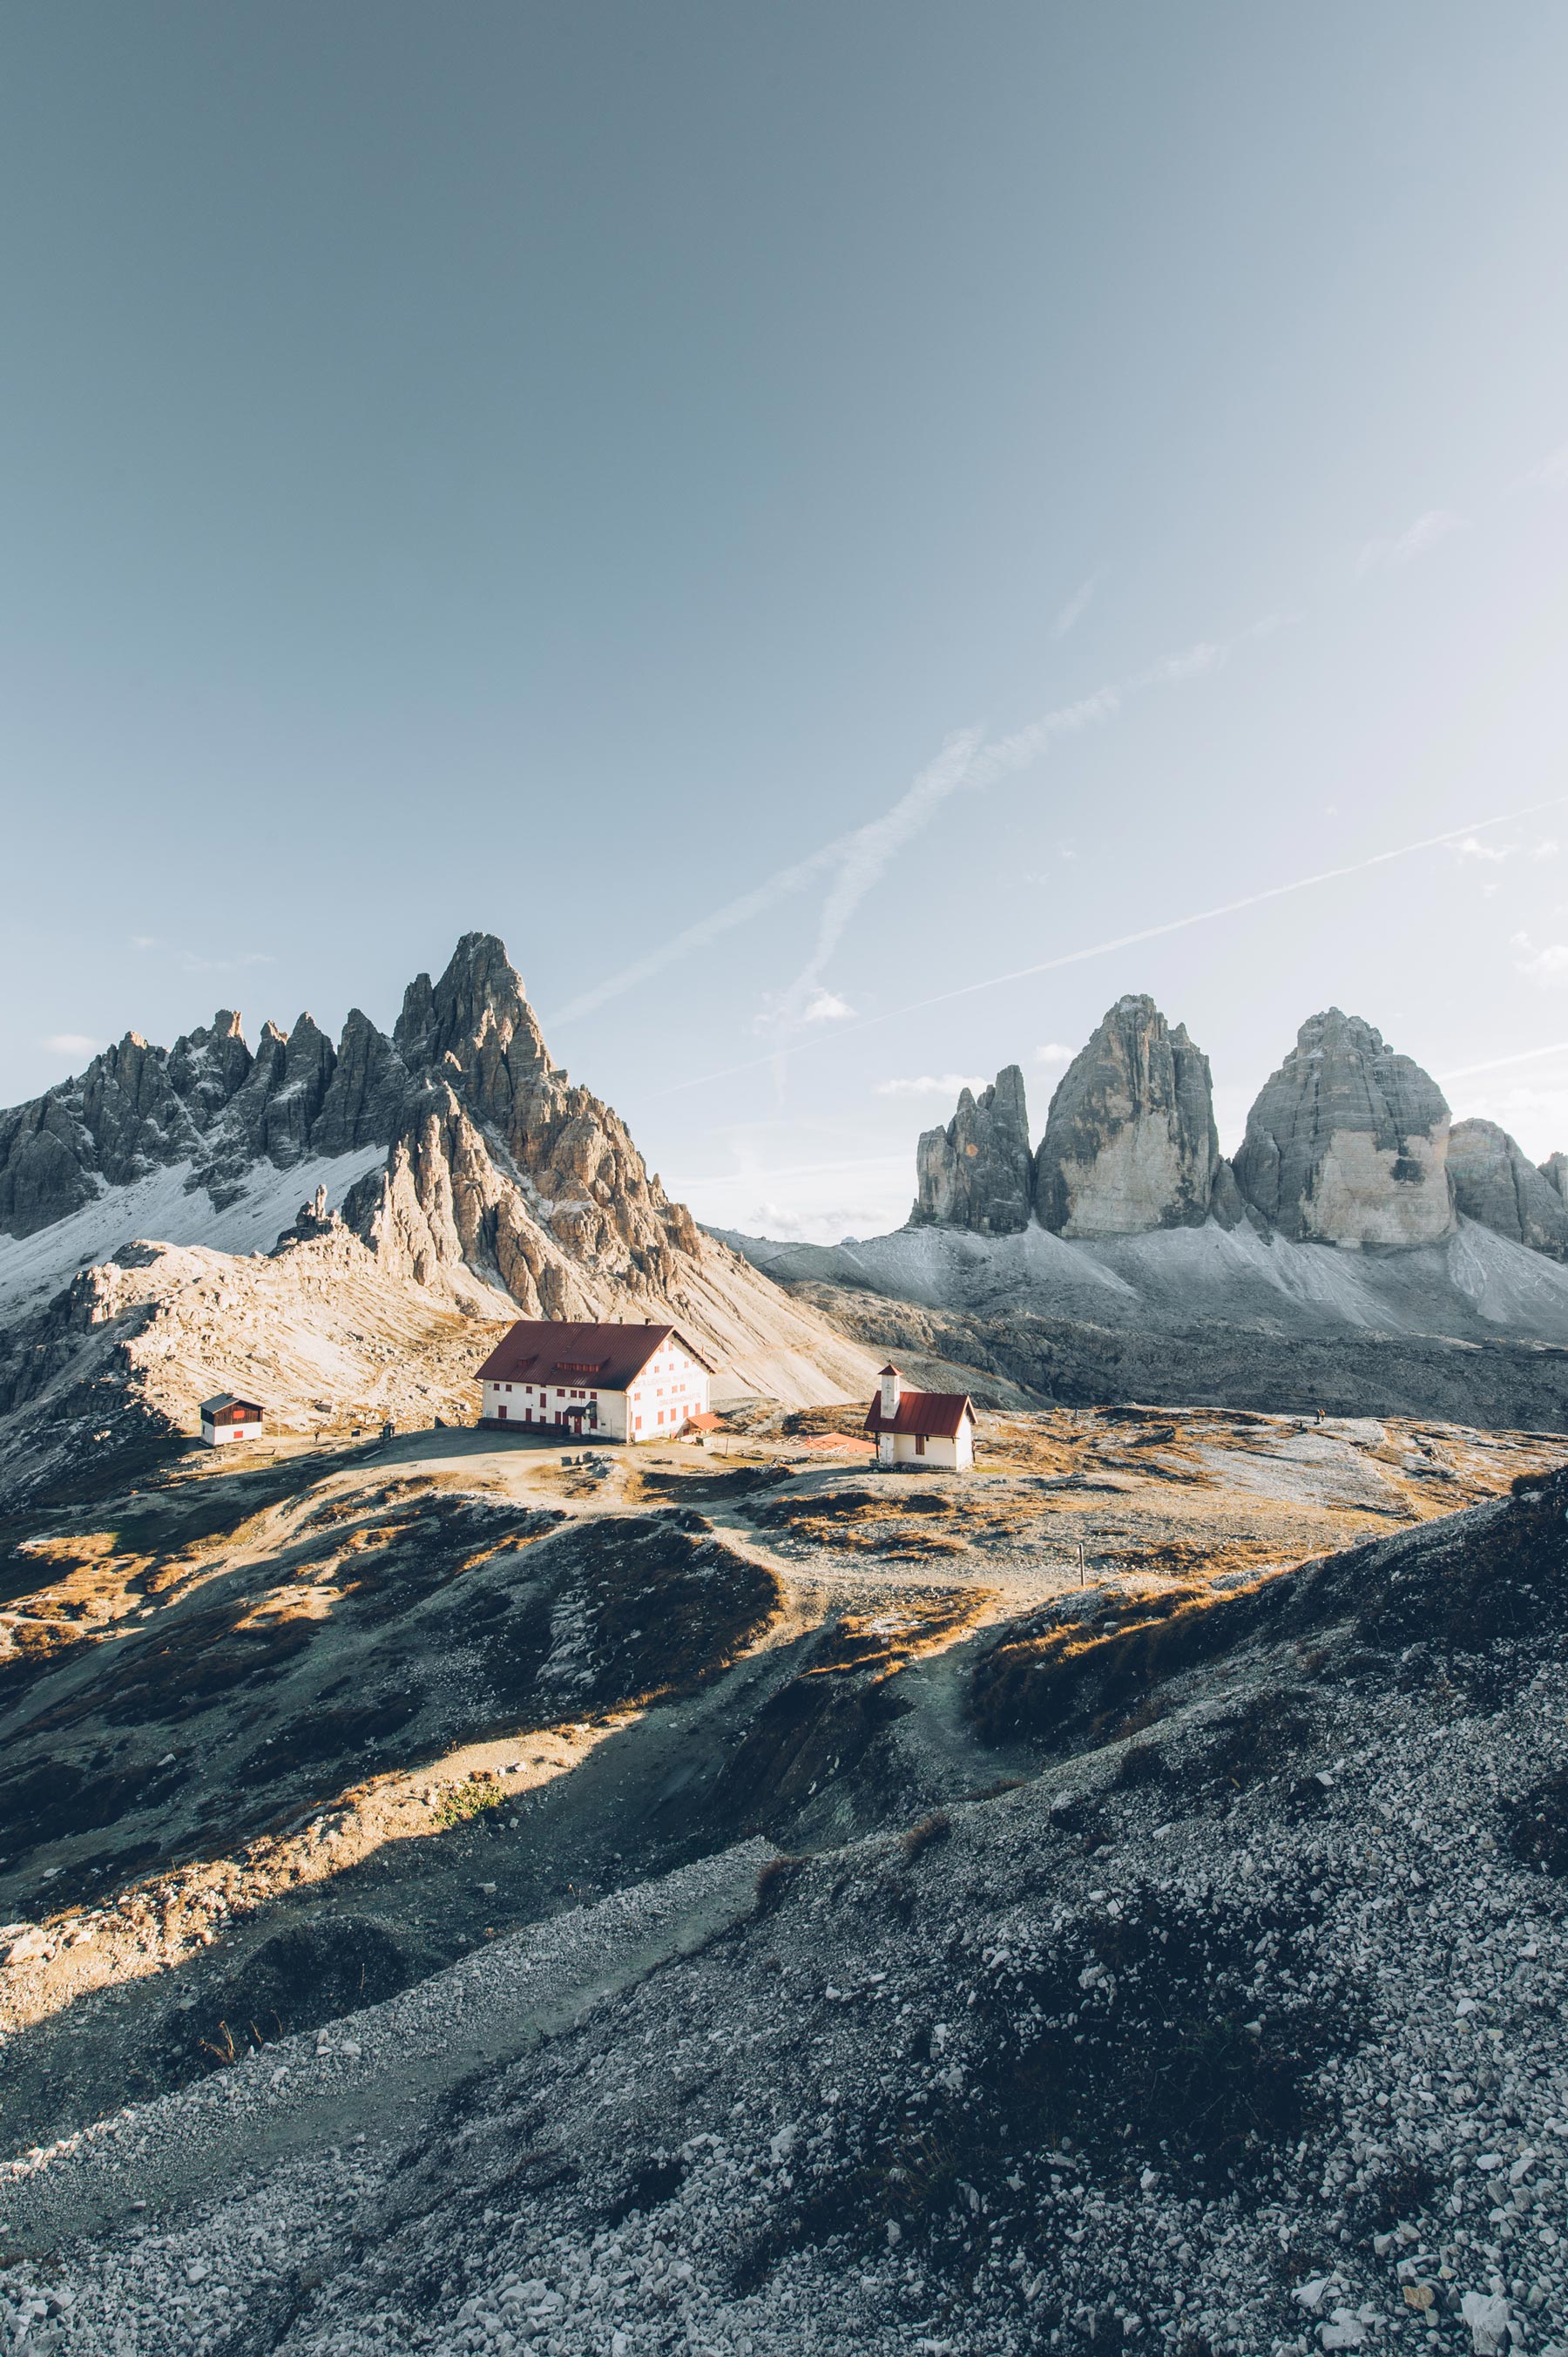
225 1416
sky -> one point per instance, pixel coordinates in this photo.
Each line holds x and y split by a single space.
849 537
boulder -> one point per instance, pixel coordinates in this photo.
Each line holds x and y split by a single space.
1494 1183
978 1172
1129 1143
1347 1142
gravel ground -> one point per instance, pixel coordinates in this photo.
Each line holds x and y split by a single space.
1243 2032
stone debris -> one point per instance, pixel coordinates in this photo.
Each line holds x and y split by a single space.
1294 2077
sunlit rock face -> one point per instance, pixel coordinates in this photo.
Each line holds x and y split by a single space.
1347 1142
978 1172
1496 1183
1130 1142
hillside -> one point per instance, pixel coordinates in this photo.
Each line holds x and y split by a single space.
158 1249
993 1964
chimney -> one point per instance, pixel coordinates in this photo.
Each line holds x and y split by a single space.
892 1384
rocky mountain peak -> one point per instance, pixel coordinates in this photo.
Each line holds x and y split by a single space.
1129 1141
1494 1183
1348 1141
481 1160
478 1013
977 1173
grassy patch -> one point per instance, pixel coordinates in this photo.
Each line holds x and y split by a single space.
464 1803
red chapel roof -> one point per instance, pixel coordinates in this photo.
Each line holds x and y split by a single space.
936 1415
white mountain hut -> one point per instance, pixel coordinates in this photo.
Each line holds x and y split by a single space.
563 1379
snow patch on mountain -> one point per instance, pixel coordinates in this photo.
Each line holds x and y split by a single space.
168 1207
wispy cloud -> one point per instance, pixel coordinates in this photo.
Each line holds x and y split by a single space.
192 961
1053 1052
1207 656
1473 848
933 1084
702 932
1547 966
1424 534
71 1043
1548 848
1169 925
1552 472
1073 611
857 860
1496 1063
863 859
826 1007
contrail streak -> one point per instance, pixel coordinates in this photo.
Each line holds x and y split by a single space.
1496 1063
863 852
705 930
1132 941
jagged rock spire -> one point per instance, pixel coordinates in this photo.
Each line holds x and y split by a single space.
1347 1142
1494 1183
1129 1141
977 1172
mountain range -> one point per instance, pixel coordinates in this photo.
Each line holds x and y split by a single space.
1355 1258
154 1247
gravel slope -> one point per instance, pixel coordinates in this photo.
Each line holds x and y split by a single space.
1243 2031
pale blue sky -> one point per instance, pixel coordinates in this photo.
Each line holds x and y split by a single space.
575 471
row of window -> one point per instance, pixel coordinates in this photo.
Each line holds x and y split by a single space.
544 1391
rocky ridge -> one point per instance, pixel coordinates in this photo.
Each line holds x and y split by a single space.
977 1173
1494 1183
1348 1144
1129 1141
486 1179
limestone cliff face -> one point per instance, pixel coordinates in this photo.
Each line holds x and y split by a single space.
1130 1142
1494 1183
978 1172
1554 1171
494 1158
1347 1142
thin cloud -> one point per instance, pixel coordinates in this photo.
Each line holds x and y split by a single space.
192 961
1496 1063
1552 473
700 935
1548 966
826 1007
931 1084
72 1043
1472 849
1207 656
1424 534
1053 1052
1546 849
1152 934
864 859
861 856
1073 611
